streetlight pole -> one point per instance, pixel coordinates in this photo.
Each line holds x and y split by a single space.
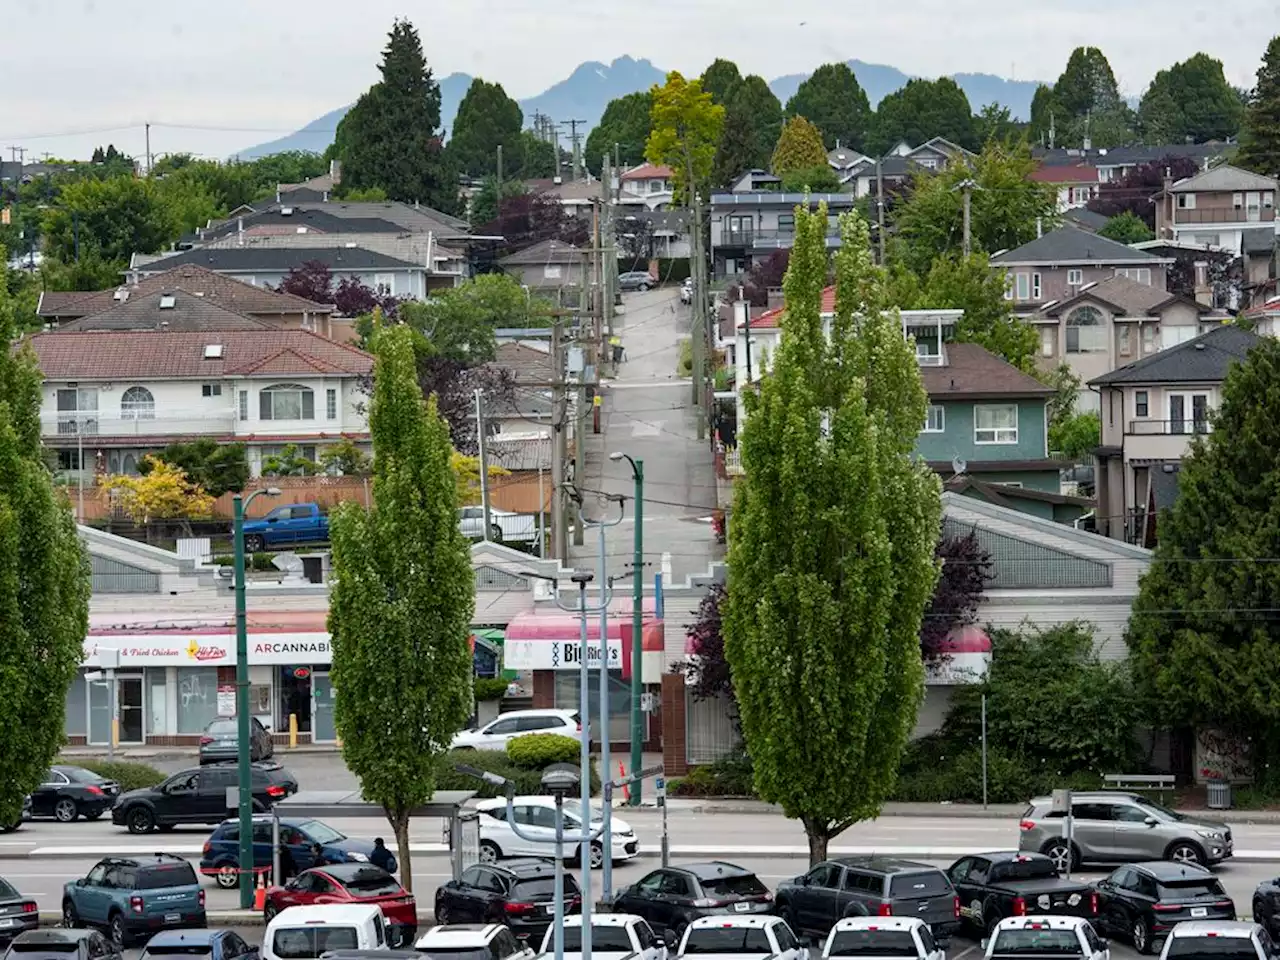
582 578
637 624
238 507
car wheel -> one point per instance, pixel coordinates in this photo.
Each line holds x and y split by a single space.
597 856
117 931
70 919
1140 934
227 877
1185 852
490 852
65 810
643 288
788 917
443 913
254 544
990 917
1064 855
269 912
140 820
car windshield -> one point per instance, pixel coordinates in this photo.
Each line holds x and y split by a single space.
167 875
7 892
575 810
1187 889
1033 868
873 943
727 939
372 882
602 938
740 885
1163 811
178 950
223 727
1219 948
321 832
1033 940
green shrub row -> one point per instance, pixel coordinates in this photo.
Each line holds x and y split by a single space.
258 562
490 688
130 775
537 751
527 781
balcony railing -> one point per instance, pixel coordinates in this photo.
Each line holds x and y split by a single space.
68 425
1168 428
1225 215
771 237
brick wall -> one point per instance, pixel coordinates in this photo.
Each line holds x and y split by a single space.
674 756
544 689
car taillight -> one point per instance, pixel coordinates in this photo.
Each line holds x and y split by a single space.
135 904
275 790
200 898
511 907
1166 907
885 910
1026 824
208 848
29 907
205 741
90 788
955 907
1093 902
1019 907
707 902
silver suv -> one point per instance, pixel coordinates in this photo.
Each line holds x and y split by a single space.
1113 827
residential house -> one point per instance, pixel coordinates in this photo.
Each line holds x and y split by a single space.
1112 323
1151 408
668 232
111 396
551 269
1075 184
528 365
1258 265
748 226
900 164
1085 219
578 197
1113 163
845 161
175 311
648 185
314 190
755 179
1216 207
409 217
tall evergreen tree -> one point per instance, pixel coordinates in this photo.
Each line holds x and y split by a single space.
44 583
625 122
752 124
921 110
403 594
824 640
1046 116
720 80
1260 138
799 148
1190 101
391 137
833 100
1089 98
487 118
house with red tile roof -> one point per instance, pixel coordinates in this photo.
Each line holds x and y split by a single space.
1076 184
648 186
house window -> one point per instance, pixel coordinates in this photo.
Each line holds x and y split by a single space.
331 404
1150 338
1207 239
1023 286
244 404
1268 200
1140 404
1237 200
1125 338
1008 286
137 404
1075 278
995 423
786 222
286 401
77 410
928 163
211 389
1188 413
1035 286
304 452
1048 341
68 459
384 284
1086 332
551 271
1136 274
935 420
1186 201
1172 336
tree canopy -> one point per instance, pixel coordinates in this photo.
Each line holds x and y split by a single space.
1126 227
625 122
799 147
685 125
1190 101
720 80
108 220
921 110
833 100
487 118
1086 102
1260 137
752 123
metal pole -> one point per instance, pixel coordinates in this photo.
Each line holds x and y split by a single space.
984 751
637 627
484 462
275 847
113 719
660 788
584 708
606 837
967 194
242 712
80 463
542 510
559 887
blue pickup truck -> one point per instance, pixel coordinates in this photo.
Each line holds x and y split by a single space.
286 526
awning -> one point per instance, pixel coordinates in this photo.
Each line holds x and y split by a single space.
552 642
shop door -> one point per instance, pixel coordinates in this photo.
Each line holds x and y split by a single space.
129 692
322 728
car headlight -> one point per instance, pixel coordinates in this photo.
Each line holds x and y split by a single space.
358 857
1210 834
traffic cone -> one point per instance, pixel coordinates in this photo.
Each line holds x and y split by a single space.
260 893
626 787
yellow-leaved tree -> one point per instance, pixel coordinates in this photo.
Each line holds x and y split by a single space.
164 493
467 471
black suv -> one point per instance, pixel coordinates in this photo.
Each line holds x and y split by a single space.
674 897
519 893
199 795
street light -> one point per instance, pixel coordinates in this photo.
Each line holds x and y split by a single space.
637 621
239 506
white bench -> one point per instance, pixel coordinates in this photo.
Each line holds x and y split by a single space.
1150 782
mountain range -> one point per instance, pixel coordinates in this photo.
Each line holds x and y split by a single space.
584 93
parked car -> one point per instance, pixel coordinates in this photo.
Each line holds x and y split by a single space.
614 936
286 526
876 886
1114 827
220 742
472 941
68 792
126 896
519 893
906 937
537 815
1266 906
1142 902
673 897
731 937
220 858
307 933
635 280
198 795
217 944
1046 938
1236 940
60 943
503 524
686 291
495 734
992 886
350 883
18 914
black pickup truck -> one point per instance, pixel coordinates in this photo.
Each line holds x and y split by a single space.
992 886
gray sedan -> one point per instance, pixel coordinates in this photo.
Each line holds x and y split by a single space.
635 280
221 741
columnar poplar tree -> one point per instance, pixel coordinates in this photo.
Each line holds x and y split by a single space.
44 583
402 598
831 553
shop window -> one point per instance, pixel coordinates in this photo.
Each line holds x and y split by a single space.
77 722
197 698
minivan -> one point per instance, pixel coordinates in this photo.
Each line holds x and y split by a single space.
305 933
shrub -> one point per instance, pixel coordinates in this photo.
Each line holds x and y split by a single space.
528 782
727 777
257 562
130 775
537 751
673 270
490 688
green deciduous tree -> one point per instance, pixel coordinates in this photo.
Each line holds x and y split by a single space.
217 468
625 122
995 122
487 118
402 598
833 100
459 323
921 110
1260 137
720 80
44 583
684 131
391 137
487 203
823 640
1045 117
815 179
752 123
108 219
799 147
1190 101
1126 227
537 157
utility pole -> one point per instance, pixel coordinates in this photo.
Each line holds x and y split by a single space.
608 251
697 326
966 188
148 132
499 164
555 142
576 139
617 156
880 210
559 447
483 445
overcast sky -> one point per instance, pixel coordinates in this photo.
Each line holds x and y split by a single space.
257 69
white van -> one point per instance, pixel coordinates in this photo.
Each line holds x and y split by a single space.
304 933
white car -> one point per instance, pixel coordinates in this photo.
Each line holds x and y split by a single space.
495 734
537 816
731 937
1225 939
614 936
503 524
493 941
306 933
1056 936
895 937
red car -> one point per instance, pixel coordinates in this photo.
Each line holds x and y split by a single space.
351 883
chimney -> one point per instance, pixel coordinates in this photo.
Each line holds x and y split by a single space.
1204 289
1039 227
240 231
776 298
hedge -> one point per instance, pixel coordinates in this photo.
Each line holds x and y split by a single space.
673 270
528 782
537 751
491 688
130 775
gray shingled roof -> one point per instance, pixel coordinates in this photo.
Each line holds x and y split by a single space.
1258 240
1222 178
1071 244
281 259
1206 359
313 218
1085 218
547 251
187 313
1131 298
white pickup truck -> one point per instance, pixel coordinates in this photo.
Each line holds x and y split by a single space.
503 524
614 936
756 937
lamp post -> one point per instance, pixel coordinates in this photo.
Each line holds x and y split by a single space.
239 505
637 623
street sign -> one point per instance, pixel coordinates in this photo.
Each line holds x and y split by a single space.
1061 801
661 785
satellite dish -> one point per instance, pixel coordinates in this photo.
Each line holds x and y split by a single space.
958 465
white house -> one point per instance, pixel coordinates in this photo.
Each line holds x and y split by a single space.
647 185
110 397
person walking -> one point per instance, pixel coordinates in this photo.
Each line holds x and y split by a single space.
382 857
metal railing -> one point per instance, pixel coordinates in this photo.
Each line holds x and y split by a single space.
1225 215
68 425
1187 426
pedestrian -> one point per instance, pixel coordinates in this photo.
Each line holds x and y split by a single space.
318 858
382 857
616 343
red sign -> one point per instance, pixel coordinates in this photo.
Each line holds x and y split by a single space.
208 653
301 673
